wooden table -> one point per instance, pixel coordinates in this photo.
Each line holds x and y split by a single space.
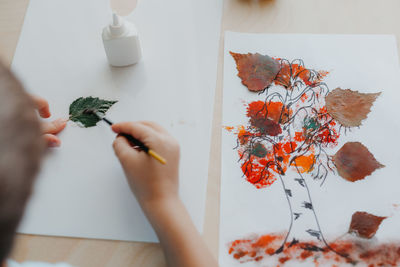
270 16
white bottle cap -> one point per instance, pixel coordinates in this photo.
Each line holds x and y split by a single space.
117 28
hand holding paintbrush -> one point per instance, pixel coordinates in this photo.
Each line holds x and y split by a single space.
134 141
150 179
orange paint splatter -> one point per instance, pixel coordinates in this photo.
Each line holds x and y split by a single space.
299 137
291 72
243 135
305 163
262 172
289 147
257 172
303 98
229 128
352 251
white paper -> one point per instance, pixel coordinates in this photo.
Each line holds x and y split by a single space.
82 191
364 63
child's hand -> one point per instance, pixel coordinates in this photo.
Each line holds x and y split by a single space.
49 129
150 181
156 188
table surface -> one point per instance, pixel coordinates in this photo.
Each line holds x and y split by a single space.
268 16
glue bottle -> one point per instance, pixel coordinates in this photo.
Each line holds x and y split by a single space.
121 42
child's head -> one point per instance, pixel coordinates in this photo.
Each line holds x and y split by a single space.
21 149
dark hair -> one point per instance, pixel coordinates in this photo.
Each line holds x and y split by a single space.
21 150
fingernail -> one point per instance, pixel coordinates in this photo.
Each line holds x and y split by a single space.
61 121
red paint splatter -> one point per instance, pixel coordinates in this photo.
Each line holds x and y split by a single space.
267 117
299 136
274 111
353 251
328 135
263 171
257 172
291 72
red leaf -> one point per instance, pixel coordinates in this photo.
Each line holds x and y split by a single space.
256 71
354 161
364 224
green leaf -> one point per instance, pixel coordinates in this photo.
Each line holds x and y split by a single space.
82 110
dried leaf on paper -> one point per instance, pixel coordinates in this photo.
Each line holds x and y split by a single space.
365 225
266 126
256 71
349 107
354 161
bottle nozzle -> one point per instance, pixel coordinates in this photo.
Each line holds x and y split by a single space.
116 20
117 27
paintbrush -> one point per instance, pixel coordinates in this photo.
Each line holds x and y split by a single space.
130 138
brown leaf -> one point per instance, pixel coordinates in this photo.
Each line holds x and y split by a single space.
364 224
354 161
266 126
256 71
349 107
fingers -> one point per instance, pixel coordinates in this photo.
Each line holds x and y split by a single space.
49 129
52 140
137 130
54 127
123 149
42 105
155 126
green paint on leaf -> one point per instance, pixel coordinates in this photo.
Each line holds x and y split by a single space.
259 150
311 123
82 110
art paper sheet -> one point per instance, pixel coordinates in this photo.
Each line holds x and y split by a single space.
81 190
310 158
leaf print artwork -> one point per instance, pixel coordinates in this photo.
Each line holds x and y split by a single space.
293 127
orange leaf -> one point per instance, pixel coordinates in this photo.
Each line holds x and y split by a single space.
256 71
349 107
